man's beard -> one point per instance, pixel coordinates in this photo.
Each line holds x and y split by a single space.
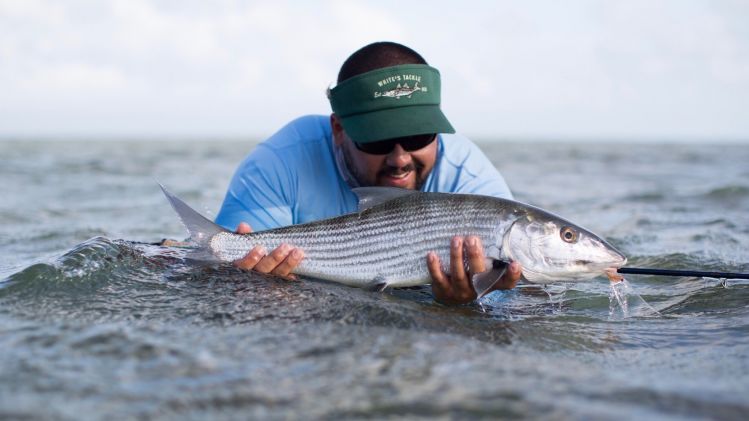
416 166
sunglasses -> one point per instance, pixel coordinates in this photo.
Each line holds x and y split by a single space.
408 143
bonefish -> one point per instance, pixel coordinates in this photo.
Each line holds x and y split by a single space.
385 243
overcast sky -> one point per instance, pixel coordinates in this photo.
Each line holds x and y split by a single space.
510 69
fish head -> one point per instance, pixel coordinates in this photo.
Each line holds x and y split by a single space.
552 249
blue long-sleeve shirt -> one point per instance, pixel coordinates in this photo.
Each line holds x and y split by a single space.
292 177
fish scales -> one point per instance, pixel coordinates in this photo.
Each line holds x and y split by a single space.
388 242
380 243
352 229
372 234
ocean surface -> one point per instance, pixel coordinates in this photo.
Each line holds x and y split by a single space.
95 323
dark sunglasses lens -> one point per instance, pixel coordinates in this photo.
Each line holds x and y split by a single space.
414 143
410 144
376 148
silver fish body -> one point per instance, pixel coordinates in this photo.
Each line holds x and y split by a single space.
387 242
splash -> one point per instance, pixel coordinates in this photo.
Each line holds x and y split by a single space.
625 303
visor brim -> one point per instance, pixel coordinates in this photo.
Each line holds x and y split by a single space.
396 122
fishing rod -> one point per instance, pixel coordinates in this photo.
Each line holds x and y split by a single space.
694 273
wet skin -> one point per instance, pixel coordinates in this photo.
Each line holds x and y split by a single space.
404 169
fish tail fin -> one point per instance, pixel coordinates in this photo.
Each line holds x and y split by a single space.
200 228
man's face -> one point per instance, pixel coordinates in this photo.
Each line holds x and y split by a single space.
398 168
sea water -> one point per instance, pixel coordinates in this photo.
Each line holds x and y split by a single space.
96 323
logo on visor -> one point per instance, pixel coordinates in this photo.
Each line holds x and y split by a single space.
400 90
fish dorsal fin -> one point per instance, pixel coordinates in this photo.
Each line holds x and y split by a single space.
373 196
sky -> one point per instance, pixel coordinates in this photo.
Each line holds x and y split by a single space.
574 69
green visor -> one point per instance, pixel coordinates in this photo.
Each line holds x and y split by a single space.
390 102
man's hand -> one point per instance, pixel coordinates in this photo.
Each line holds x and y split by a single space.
279 262
456 287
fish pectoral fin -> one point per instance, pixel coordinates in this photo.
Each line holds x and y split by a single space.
484 281
378 284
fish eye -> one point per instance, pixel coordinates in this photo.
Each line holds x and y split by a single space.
568 234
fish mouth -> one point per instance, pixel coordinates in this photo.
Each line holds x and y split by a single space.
613 275
612 272
585 270
612 265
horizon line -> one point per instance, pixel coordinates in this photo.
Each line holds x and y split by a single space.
477 139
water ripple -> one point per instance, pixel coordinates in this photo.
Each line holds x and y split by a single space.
129 330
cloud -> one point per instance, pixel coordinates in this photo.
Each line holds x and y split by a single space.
538 69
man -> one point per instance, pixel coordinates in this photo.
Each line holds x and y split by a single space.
386 129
